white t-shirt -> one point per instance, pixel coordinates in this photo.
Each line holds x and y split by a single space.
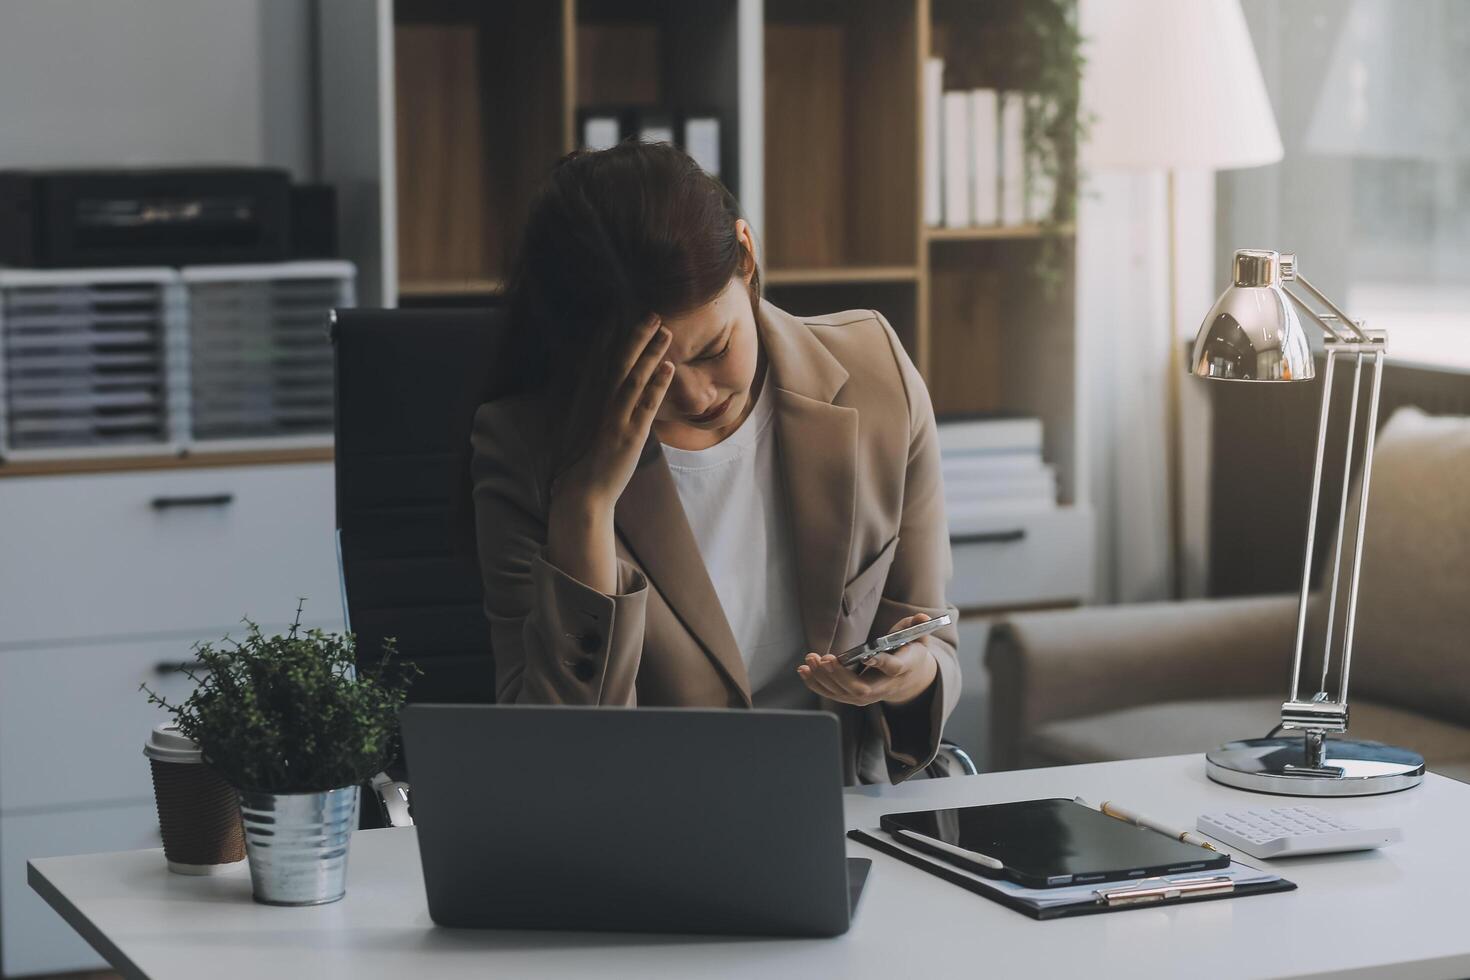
736 504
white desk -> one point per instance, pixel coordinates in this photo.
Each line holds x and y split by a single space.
1400 912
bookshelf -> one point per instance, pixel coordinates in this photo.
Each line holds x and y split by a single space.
475 101
843 224
822 140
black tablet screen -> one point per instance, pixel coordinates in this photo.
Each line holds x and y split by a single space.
1056 842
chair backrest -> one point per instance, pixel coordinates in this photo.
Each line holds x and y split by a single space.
408 385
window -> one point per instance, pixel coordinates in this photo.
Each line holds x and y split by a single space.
1372 98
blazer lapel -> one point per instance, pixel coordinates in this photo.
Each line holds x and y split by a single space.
655 529
818 444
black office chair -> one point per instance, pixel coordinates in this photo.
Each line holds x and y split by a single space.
408 384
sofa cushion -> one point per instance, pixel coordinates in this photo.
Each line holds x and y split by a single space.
1177 727
1413 632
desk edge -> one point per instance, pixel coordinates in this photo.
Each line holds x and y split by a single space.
83 926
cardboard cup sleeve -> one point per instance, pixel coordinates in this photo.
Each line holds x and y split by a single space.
198 812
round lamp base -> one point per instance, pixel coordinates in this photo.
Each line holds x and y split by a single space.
1279 765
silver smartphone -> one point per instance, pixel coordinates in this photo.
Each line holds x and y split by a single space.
857 658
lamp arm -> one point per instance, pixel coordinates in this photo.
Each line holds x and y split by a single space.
1323 322
1321 713
1301 613
1342 509
1342 317
1352 609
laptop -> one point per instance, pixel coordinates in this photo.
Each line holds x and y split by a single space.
675 820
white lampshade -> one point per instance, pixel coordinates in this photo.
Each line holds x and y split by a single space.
1173 84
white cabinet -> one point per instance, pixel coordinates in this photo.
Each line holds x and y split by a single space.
1035 559
105 581
180 550
33 937
73 721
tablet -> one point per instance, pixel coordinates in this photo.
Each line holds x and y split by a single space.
1047 843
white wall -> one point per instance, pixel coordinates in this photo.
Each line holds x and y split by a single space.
140 82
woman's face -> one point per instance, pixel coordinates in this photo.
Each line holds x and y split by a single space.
716 356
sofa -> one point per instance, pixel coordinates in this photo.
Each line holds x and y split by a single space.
1132 681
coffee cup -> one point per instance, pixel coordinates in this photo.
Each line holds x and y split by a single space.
198 812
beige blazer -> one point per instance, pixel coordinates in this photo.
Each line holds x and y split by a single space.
860 460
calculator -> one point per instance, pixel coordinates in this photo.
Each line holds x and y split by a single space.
1286 831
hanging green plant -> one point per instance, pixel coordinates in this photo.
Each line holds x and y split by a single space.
1039 51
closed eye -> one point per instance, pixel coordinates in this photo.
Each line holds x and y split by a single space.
719 354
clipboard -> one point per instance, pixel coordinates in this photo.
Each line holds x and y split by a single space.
991 890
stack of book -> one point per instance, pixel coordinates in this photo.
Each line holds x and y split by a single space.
992 468
976 168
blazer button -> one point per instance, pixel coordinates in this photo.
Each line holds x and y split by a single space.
585 669
591 641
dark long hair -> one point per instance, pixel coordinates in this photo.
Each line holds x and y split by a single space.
611 237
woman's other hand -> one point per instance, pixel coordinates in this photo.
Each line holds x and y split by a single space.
612 426
895 678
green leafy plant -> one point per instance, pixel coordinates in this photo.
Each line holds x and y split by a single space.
1034 48
1048 56
290 713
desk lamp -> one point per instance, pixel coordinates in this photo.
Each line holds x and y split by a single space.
1253 334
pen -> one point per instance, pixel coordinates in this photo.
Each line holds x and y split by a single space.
984 860
1127 816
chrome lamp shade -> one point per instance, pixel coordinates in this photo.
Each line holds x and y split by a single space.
1253 333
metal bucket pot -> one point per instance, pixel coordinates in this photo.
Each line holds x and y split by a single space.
297 844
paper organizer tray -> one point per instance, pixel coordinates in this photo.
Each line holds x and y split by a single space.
117 361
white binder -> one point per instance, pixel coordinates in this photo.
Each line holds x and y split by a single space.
933 142
984 157
956 159
1013 159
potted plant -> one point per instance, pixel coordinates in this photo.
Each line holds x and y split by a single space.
295 727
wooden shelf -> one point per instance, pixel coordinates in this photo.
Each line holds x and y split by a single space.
465 77
451 287
840 274
989 233
167 461
842 133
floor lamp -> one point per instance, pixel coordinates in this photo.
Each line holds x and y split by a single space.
1174 85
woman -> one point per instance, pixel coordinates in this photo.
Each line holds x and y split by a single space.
694 498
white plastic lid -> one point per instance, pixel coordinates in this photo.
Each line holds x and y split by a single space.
167 744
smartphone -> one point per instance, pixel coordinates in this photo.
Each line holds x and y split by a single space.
857 658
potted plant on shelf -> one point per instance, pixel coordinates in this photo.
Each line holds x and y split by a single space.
290 722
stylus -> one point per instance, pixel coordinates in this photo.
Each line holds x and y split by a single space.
1128 816
984 860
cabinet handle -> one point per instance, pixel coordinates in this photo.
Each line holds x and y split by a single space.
990 537
202 500
165 667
